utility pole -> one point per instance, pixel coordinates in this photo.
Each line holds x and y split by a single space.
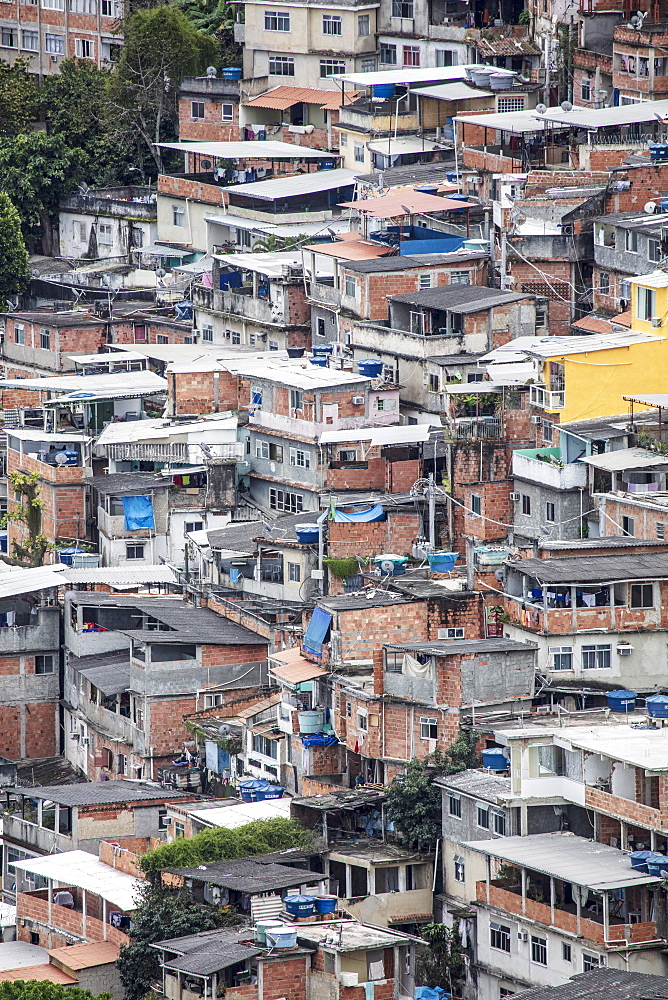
432 510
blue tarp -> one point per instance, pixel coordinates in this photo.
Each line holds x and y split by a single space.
431 993
317 629
138 513
375 513
320 740
217 759
448 244
231 279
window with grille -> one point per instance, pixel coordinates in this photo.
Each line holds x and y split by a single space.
604 282
275 20
585 88
281 66
331 24
299 458
425 281
460 277
411 55
591 962
510 104
660 530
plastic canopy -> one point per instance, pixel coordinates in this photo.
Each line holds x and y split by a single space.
375 513
138 513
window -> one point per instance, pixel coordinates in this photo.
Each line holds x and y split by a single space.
411 55
460 872
281 66
350 283
476 504
362 719
213 700
10 38
207 334
460 277
84 48
596 657
30 41
425 281
45 339
550 512
292 503
179 830
44 664
645 305
134 551
604 283
654 251
561 657
363 25
591 962
332 67
642 595
510 104
482 815
83 6
19 333
296 399
105 234
628 525
121 763
446 57
433 383
566 952
268 748
541 316
331 24
368 65
300 459
499 936
348 455
343 143
193 526
454 805
631 241
526 504
294 572
385 404
428 729
585 88
227 112
55 44
402 8
388 54
236 337
499 822
660 530
275 20
178 216
504 992
538 950
548 431
197 110
111 8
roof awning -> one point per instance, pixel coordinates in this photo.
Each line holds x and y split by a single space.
253 149
293 668
658 399
625 458
110 680
392 205
156 250
25 581
351 249
86 871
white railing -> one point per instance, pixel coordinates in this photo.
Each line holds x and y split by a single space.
546 398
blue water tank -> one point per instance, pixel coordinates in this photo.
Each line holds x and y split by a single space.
65 555
232 73
300 906
442 562
495 758
657 866
320 360
657 706
320 349
370 367
621 701
307 534
384 91
639 859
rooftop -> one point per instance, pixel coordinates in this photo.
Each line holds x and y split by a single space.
460 647
595 569
82 388
236 814
478 782
86 956
110 672
375 851
97 793
268 149
350 935
567 857
282 98
297 185
207 952
602 984
459 298
368 598
625 458
46 973
86 871
643 748
129 482
249 875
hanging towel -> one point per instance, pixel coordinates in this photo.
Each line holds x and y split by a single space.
369 988
138 513
376 971
411 667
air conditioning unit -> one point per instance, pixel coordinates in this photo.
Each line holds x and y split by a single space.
522 935
358 400
656 322
515 496
624 648
75 736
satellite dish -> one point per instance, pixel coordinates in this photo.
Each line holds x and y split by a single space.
541 108
211 72
387 566
206 164
61 458
649 207
224 730
566 106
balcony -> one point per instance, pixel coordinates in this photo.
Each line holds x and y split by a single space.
88 919
544 466
478 429
547 399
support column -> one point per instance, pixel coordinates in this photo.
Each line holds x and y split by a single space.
552 900
524 892
606 917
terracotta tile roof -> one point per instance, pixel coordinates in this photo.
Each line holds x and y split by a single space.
624 319
282 98
394 203
593 324
292 667
85 956
42 973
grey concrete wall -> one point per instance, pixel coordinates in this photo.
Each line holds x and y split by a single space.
102 978
566 525
259 491
466 828
495 677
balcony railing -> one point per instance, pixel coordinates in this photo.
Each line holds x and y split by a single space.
547 399
478 428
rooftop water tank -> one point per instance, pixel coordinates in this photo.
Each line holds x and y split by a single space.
621 701
657 706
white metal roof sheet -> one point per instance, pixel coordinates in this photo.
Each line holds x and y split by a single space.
273 265
293 187
404 144
103 359
595 118
231 817
120 575
302 376
249 150
625 458
86 871
458 91
408 75
516 122
23 581
656 279
555 347
99 386
652 399
295 229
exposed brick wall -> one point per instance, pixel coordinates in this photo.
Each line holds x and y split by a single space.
396 533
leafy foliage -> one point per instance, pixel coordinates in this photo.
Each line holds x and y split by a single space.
272 242
163 912
36 171
17 97
29 511
215 18
34 989
261 837
414 802
14 270
161 47
442 964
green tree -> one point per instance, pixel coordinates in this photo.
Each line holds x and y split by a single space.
17 97
272 242
14 270
33 989
261 837
161 47
36 171
442 963
27 510
163 912
414 802
216 18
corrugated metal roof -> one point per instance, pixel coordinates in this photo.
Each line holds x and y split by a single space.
25 581
110 679
394 204
564 856
86 871
86 956
516 122
652 399
98 793
296 185
46 973
252 149
231 817
602 984
87 388
408 75
458 647
452 92
121 575
589 569
282 98
625 458
293 668
248 875
556 347
379 436
595 118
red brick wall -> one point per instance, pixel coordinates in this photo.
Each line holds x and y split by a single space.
193 392
212 128
285 977
396 534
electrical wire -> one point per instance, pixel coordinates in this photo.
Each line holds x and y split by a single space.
503 523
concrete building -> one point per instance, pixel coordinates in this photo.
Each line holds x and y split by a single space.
108 223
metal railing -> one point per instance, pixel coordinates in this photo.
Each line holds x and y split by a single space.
547 399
